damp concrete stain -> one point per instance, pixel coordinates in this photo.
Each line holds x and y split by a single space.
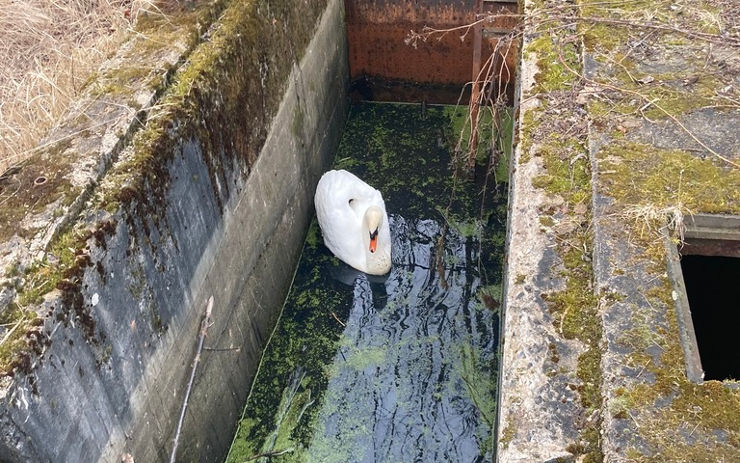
401 367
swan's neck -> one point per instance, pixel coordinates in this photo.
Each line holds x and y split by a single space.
378 262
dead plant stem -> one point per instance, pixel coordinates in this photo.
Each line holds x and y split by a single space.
203 330
648 102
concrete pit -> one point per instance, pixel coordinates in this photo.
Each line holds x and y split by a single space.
109 261
192 176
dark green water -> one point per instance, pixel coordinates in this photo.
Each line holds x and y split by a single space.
412 375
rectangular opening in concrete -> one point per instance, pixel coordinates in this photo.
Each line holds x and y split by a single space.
712 291
707 299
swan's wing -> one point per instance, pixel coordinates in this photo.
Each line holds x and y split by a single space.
339 189
338 221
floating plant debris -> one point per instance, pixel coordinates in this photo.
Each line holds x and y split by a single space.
401 367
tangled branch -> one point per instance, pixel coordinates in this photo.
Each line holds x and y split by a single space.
533 22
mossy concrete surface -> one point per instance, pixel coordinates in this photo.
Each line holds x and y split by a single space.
662 146
627 121
210 197
43 195
549 391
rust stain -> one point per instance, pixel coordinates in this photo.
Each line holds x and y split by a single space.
376 30
391 12
707 247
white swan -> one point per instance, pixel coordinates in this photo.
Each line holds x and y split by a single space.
353 221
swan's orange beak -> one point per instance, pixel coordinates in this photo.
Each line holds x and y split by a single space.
373 241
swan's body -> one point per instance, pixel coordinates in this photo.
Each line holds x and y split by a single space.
354 222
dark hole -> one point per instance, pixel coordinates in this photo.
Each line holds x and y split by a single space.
713 290
40 180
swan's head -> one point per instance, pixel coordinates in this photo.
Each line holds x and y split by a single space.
373 220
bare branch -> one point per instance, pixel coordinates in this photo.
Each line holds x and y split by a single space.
203 330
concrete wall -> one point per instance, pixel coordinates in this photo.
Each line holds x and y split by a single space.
593 367
210 221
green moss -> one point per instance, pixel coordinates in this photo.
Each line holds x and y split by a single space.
576 316
567 169
649 89
708 407
124 81
528 123
668 94
640 174
12 270
44 275
17 339
21 195
202 97
507 435
313 237
703 17
602 110
552 74
173 23
574 308
567 175
603 37
60 269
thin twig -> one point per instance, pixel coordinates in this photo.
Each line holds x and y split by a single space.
222 349
337 319
203 329
10 332
648 102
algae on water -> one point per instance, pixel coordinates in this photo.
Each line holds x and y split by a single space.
412 372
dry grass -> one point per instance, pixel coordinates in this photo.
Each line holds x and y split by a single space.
650 218
48 49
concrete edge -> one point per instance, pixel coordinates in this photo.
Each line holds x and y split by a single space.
77 155
97 352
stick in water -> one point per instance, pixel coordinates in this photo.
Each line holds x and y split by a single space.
203 329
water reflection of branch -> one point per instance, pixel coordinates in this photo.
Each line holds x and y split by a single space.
275 453
438 257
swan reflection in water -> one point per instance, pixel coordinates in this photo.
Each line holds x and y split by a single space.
413 379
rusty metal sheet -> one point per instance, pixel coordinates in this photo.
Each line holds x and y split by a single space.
376 30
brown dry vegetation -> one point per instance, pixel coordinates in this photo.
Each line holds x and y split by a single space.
48 49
